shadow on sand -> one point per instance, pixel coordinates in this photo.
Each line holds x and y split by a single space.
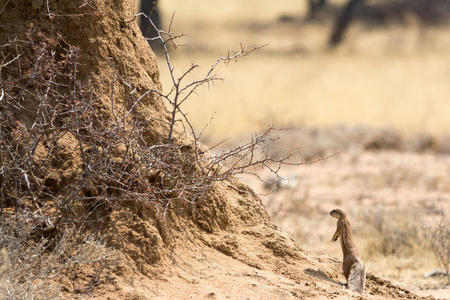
322 276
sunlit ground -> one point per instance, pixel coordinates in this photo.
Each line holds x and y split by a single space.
393 76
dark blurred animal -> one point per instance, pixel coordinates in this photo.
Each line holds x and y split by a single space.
150 9
313 6
342 21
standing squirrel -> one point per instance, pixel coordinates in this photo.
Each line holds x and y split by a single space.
353 267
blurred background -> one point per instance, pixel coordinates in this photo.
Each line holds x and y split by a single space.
369 80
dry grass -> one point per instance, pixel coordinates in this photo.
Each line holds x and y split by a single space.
439 236
393 76
31 265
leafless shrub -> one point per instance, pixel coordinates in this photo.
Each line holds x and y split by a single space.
439 238
68 159
222 165
50 117
392 232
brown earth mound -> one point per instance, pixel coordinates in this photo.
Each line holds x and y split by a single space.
222 246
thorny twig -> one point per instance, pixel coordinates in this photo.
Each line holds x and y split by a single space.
181 91
115 162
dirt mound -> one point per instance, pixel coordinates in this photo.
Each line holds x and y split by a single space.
222 246
246 257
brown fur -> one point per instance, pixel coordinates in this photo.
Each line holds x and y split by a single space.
354 270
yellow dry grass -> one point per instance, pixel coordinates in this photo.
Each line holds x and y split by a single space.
386 76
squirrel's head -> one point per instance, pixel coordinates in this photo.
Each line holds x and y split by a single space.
336 213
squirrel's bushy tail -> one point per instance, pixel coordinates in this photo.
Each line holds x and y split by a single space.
357 277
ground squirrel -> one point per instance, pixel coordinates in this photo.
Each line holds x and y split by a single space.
354 270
